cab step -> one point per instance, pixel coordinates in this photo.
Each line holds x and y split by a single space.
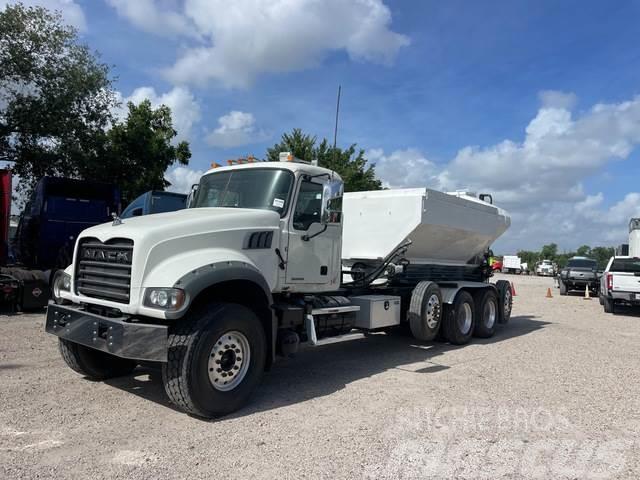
313 339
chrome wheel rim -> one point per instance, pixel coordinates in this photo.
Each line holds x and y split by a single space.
465 318
229 361
433 311
489 314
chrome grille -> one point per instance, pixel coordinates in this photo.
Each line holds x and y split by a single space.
103 270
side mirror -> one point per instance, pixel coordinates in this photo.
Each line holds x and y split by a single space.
332 202
192 195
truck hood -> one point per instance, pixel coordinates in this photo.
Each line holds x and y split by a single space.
183 223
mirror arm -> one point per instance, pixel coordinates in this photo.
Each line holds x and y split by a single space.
306 238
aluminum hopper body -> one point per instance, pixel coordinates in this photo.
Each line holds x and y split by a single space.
448 229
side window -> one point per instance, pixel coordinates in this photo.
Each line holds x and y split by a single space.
309 205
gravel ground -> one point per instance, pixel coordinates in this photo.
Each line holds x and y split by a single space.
555 394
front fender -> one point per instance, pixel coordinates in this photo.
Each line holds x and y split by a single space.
188 272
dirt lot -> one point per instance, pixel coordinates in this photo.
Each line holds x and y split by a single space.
556 394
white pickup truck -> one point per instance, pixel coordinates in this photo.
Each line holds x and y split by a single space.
620 283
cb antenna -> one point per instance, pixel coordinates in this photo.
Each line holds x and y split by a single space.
335 131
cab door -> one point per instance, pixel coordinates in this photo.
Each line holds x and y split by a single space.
313 254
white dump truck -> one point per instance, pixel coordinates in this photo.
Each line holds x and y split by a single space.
270 256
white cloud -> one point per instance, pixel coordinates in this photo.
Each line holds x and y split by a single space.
242 39
557 99
71 12
234 129
540 179
185 111
153 17
403 167
182 178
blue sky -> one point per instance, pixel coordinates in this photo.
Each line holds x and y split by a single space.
534 102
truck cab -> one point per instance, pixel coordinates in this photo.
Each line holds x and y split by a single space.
155 201
55 214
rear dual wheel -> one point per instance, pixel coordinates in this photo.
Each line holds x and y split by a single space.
425 311
487 312
459 319
476 315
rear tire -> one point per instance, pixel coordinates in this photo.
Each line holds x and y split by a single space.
201 362
458 319
563 288
425 311
609 305
487 312
94 364
505 299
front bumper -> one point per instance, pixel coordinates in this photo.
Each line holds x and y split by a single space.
118 336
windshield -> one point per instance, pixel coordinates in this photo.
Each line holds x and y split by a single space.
265 189
582 264
631 265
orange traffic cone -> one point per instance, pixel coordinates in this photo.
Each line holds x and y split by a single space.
586 293
513 290
549 293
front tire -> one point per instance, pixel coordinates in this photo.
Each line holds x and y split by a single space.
487 311
458 319
425 311
216 358
94 364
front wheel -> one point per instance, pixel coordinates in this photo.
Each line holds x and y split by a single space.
216 358
93 364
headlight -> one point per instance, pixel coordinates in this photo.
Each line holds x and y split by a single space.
164 298
62 282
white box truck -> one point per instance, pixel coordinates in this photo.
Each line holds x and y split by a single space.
269 256
511 264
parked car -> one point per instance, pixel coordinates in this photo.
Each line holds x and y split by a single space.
579 274
620 283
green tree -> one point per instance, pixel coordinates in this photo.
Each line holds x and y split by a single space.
602 255
549 252
136 153
529 257
55 96
583 251
350 163
301 145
